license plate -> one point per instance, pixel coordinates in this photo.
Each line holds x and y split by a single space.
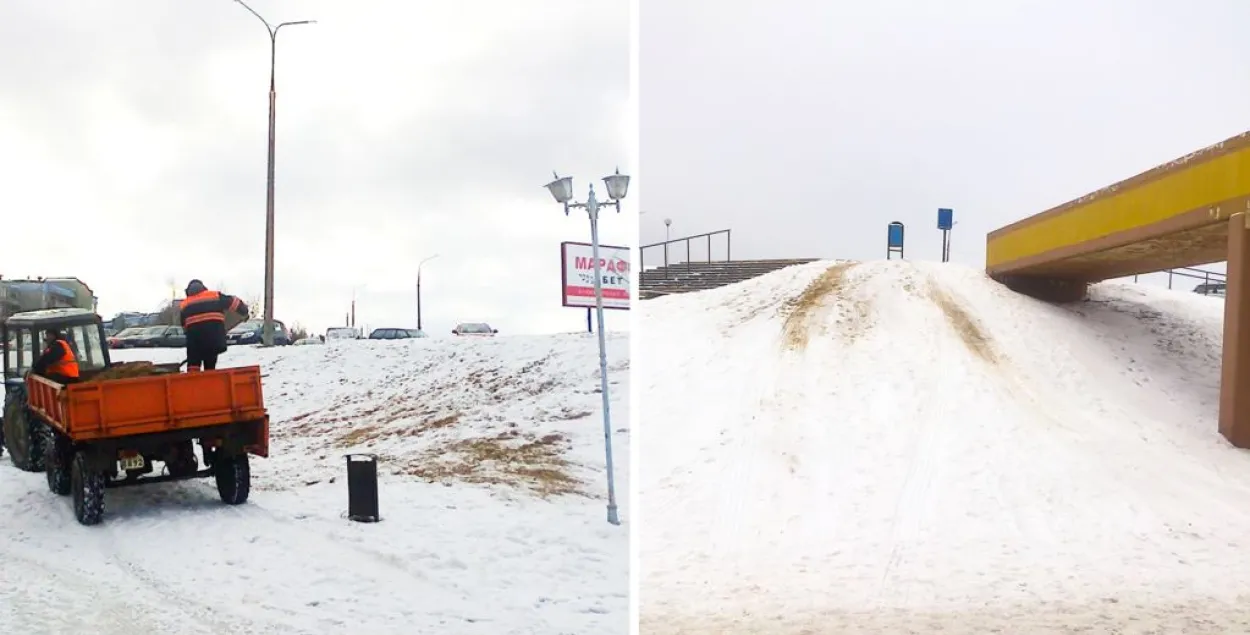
132 462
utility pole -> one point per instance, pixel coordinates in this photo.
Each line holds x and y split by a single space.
267 331
419 265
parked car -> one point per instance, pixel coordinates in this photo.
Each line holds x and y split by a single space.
395 334
158 337
310 341
1211 288
122 339
474 329
343 333
249 332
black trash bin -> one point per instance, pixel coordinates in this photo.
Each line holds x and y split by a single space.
362 488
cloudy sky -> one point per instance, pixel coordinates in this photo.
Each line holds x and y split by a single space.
133 134
807 126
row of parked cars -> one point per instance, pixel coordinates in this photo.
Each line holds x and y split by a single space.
248 332
478 329
339 333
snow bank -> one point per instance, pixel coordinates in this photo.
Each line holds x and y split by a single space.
492 494
890 446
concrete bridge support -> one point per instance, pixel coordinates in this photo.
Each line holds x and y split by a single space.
1235 367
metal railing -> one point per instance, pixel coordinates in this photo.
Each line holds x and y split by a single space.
642 251
1194 273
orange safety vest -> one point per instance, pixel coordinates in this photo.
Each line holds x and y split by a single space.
204 316
67 366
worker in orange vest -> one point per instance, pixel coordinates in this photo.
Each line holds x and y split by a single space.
57 361
203 316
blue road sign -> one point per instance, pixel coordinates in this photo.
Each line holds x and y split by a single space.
946 218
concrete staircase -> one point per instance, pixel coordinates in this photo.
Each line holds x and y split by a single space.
700 276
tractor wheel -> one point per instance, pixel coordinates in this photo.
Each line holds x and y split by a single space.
87 487
38 436
234 478
23 436
57 457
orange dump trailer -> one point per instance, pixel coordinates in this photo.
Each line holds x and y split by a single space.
108 433
155 404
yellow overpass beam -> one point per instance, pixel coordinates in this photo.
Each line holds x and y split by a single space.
1175 214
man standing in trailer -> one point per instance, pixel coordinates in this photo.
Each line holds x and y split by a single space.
203 318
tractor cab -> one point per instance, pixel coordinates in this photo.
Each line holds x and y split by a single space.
21 341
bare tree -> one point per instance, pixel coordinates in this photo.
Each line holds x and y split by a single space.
168 313
298 332
256 306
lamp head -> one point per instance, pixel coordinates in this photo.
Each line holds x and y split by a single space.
617 184
561 188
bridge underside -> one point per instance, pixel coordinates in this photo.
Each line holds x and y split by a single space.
1192 211
1189 248
1073 268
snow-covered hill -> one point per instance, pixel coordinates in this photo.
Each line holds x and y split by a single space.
492 494
900 447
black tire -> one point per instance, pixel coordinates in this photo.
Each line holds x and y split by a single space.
23 434
87 488
57 463
38 436
234 478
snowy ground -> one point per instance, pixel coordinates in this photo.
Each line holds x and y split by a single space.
898 447
479 441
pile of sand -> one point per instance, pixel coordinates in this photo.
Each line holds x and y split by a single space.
128 370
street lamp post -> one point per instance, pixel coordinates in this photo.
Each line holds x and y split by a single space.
562 190
419 265
668 222
267 332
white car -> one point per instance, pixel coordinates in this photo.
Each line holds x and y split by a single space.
474 329
309 341
343 333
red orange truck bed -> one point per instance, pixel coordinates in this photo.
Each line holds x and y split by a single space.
159 403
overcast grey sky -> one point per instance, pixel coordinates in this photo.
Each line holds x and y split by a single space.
807 126
133 134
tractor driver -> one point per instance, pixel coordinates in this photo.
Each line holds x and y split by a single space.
57 361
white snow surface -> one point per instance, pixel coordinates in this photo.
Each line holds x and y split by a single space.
448 556
888 478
